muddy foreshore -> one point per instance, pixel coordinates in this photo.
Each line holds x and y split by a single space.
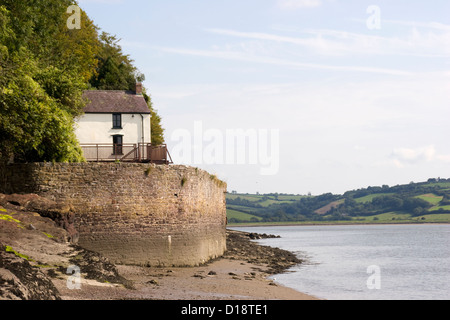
35 255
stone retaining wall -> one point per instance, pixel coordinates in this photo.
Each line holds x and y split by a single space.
142 214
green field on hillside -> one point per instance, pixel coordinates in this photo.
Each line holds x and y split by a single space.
425 202
234 215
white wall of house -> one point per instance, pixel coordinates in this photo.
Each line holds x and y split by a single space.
98 128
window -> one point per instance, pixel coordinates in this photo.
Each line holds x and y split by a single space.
117 121
117 145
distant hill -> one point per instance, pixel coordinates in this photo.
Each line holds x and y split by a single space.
411 203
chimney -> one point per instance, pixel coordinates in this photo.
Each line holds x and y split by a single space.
138 88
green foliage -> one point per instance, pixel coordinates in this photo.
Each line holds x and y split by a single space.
235 216
6 217
66 88
37 99
157 131
115 70
20 255
44 68
77 49
33 125
399 203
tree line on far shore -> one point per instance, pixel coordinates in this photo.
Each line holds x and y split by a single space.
367 202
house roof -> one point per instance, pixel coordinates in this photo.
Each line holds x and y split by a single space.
115 101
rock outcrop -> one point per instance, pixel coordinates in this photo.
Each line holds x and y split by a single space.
36 247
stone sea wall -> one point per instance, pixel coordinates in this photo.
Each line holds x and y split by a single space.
142 214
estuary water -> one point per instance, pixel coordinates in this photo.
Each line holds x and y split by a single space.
366 262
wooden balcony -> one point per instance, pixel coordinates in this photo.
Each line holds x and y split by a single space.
142 152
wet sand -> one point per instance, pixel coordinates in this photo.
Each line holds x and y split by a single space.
242 274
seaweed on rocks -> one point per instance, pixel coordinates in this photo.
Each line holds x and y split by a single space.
240 246
19 280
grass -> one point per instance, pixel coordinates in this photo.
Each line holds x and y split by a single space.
370 197
440 207
249 197
270 201
384 218
234 211
20 255
217 181
437 218
6 217
242 208
265 200
388 217
288 197
48 235
241 216
438 184
259 197
431 198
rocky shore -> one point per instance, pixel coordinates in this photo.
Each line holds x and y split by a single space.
36 256
240 247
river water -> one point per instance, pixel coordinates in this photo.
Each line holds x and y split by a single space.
366 262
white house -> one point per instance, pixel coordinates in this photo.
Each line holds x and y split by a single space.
116 126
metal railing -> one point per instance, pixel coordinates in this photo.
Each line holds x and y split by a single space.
140 152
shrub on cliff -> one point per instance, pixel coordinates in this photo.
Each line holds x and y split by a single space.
44 68
40 93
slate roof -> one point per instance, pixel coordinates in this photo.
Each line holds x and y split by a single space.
115 101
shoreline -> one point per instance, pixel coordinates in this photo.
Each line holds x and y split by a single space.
37 262
241 274
250 225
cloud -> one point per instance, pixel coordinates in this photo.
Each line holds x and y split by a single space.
297 4
406 156
337 43
414 155
259 36
416 24
242 56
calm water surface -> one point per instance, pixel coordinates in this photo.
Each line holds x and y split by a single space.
411 262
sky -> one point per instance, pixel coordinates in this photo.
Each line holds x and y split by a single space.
295 96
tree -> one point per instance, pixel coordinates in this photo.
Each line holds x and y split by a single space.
388 202
33 127
41 26
157 134
37 100
115 70
44 69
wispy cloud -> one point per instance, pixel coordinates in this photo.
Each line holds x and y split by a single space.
407 156
261 36
417 24
296 4
337 42
242 56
